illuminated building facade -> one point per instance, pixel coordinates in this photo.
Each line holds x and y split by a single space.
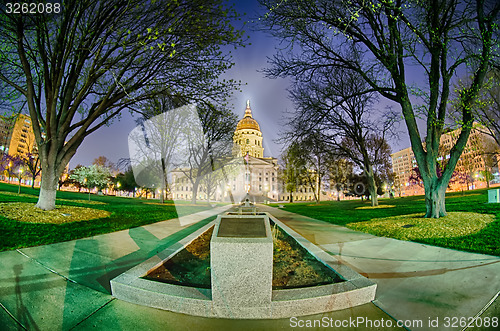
478 163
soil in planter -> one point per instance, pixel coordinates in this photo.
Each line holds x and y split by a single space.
293 266
189 267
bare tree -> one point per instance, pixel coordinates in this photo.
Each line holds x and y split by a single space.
488 106
31 160
155 143
310 157
386 42
290 174
339 171
337 105
80 66
208 150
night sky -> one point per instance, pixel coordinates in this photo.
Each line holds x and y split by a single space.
268 99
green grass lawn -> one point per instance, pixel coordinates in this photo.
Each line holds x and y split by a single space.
462 231
125 213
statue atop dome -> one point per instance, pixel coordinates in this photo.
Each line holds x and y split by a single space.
248 111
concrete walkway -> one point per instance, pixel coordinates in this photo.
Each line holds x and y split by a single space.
65 286
415 281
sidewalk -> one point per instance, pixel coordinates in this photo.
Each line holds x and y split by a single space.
415 281
65 286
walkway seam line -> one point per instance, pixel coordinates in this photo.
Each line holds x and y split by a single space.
481 311
95 311
493 258
13 317
49 269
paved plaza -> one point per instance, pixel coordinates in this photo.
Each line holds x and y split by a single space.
65 286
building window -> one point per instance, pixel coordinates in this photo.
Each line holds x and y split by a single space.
248 141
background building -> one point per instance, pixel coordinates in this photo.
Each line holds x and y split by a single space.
305 189
16 135
477 167
17 141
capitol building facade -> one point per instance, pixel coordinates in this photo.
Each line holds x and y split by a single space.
249 173
260 178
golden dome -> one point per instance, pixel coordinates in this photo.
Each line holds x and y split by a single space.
248 122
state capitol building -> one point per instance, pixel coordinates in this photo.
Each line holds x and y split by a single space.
257 175
260 179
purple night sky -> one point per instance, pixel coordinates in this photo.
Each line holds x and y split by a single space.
268 100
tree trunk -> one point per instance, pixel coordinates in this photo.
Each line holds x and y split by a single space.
195 190
373 195
372 186
317 189
435 198
48 189
164 183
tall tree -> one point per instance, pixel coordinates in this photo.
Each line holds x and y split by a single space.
126 181
290 174
311 157
105 162
10 164
31 160
208 151
337 105
339 172
488 105
397 39
158 140
81 65
92 176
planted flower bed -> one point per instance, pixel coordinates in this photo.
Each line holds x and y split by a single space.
293 266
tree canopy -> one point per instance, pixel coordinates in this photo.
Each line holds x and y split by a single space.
387 42
79 68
